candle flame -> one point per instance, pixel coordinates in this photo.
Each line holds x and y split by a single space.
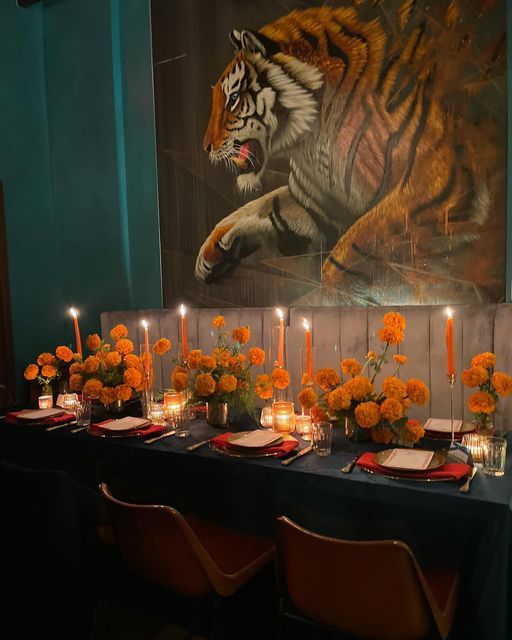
183 310
73 312
449 312
145 324
305 323
280 313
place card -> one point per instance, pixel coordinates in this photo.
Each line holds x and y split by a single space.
412 460
255 439
39 414
443 425
125 424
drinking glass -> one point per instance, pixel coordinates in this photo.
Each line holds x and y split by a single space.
82 411
181 422
494 453
322 438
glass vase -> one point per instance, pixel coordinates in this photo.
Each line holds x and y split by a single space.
217 414
354 432
484 424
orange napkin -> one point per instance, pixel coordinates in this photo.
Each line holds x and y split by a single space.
63 418
279 450
449 471
97 430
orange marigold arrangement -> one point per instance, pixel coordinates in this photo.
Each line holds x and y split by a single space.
51 366
383 413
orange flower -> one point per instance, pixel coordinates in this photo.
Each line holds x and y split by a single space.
77 357
351 367
391 409
204 384
417 391
218 322
31 372
327 378
207 363
118 332
394 388
49 371
306 379
318 414
263 386
124 346
222 356
161 346
242 384
339 399
131 360
93 342
123 392
391 335
367 414
382 435
399 359
132 377
236 363
307 398
92 388
280 378
502 382
76 367
371 355
113 359
75 382
414 431
91 364
64 353
46 358
486 360
359 387
256 356
475 376
193 358
227 383
395 320
179 380
108 395
241 335
481 402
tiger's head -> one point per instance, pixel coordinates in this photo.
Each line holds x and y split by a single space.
264 103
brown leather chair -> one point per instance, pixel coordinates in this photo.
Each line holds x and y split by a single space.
373 589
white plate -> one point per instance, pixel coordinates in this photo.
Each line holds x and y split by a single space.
39 414
125 424
407 459
256 439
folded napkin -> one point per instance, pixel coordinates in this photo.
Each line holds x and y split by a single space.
62 419
152 429
439 435
449 471
279 450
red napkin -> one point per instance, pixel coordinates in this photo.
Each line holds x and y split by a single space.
97 430
449 471
280 449
65 417
445 436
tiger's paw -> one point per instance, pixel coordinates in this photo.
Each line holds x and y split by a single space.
220 254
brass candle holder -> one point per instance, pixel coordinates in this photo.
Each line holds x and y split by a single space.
451 381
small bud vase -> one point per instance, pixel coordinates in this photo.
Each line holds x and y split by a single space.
217 414
354 432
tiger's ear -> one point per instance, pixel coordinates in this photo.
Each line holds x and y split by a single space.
253 43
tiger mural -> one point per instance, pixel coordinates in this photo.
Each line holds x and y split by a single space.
389 171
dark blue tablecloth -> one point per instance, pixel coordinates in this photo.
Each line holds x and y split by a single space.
441 524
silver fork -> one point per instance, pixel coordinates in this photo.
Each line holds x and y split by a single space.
465 487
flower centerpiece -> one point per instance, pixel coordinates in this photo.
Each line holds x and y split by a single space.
353 397
491 384
49 367
223 378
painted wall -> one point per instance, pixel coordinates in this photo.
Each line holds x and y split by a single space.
78 163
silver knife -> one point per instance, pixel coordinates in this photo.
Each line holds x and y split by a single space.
348 467
298 455
59 426
193 447
465 487
160 437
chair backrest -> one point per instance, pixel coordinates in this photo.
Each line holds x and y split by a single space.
158 544
370 589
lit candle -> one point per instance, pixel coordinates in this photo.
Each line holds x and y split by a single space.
45 402
449 343
156 413
78 340
146 345
266 417
280 346
184 347
309 362
283 417
174 401
303 426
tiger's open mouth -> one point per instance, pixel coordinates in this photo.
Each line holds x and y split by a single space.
250 158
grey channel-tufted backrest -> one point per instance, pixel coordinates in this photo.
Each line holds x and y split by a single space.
349 332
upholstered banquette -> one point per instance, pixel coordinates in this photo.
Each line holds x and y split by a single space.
350 332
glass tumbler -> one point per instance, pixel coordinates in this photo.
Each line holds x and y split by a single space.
494 453
322 438
181 422
82 411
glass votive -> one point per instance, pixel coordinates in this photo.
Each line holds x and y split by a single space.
494 453
45 402
82 411
303 426
473 443
68 402
322 438
283 417
156 413
174 401
266 418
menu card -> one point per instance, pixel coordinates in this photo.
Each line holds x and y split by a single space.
413 460
39 414
443 425
255 439
125 424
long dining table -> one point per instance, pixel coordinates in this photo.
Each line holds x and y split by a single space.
441 524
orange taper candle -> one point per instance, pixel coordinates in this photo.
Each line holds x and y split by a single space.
146 345
280 346
184 346
449 343
309 361
78 340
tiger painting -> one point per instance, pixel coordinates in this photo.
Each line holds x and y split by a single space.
392 173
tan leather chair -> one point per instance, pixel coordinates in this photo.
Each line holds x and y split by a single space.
370 589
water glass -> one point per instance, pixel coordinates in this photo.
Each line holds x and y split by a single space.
322 438
181 423
82 411
494 453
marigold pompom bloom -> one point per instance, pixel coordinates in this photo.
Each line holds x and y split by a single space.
92 388
93 342
46 358
31 372
263 386
395 320
280 378
414 430
64 353
218 322
227 383
206 363
481 402
49 371
475 376
306 379
367 414
399 358
75 382
391 409
318 414
393 387
241 335
307 398
123 392
131 360
502 382
359 387
193 358
91 364
124 346
161 346
108 395
132 377
487 360
256 356
222 356
391 335
382 435
236 363
371 355
204 384
76 367
77 357
179 380
339 399
417 391
118 332
351 367
327 378
113 359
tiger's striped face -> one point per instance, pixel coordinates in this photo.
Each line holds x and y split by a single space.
261 105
